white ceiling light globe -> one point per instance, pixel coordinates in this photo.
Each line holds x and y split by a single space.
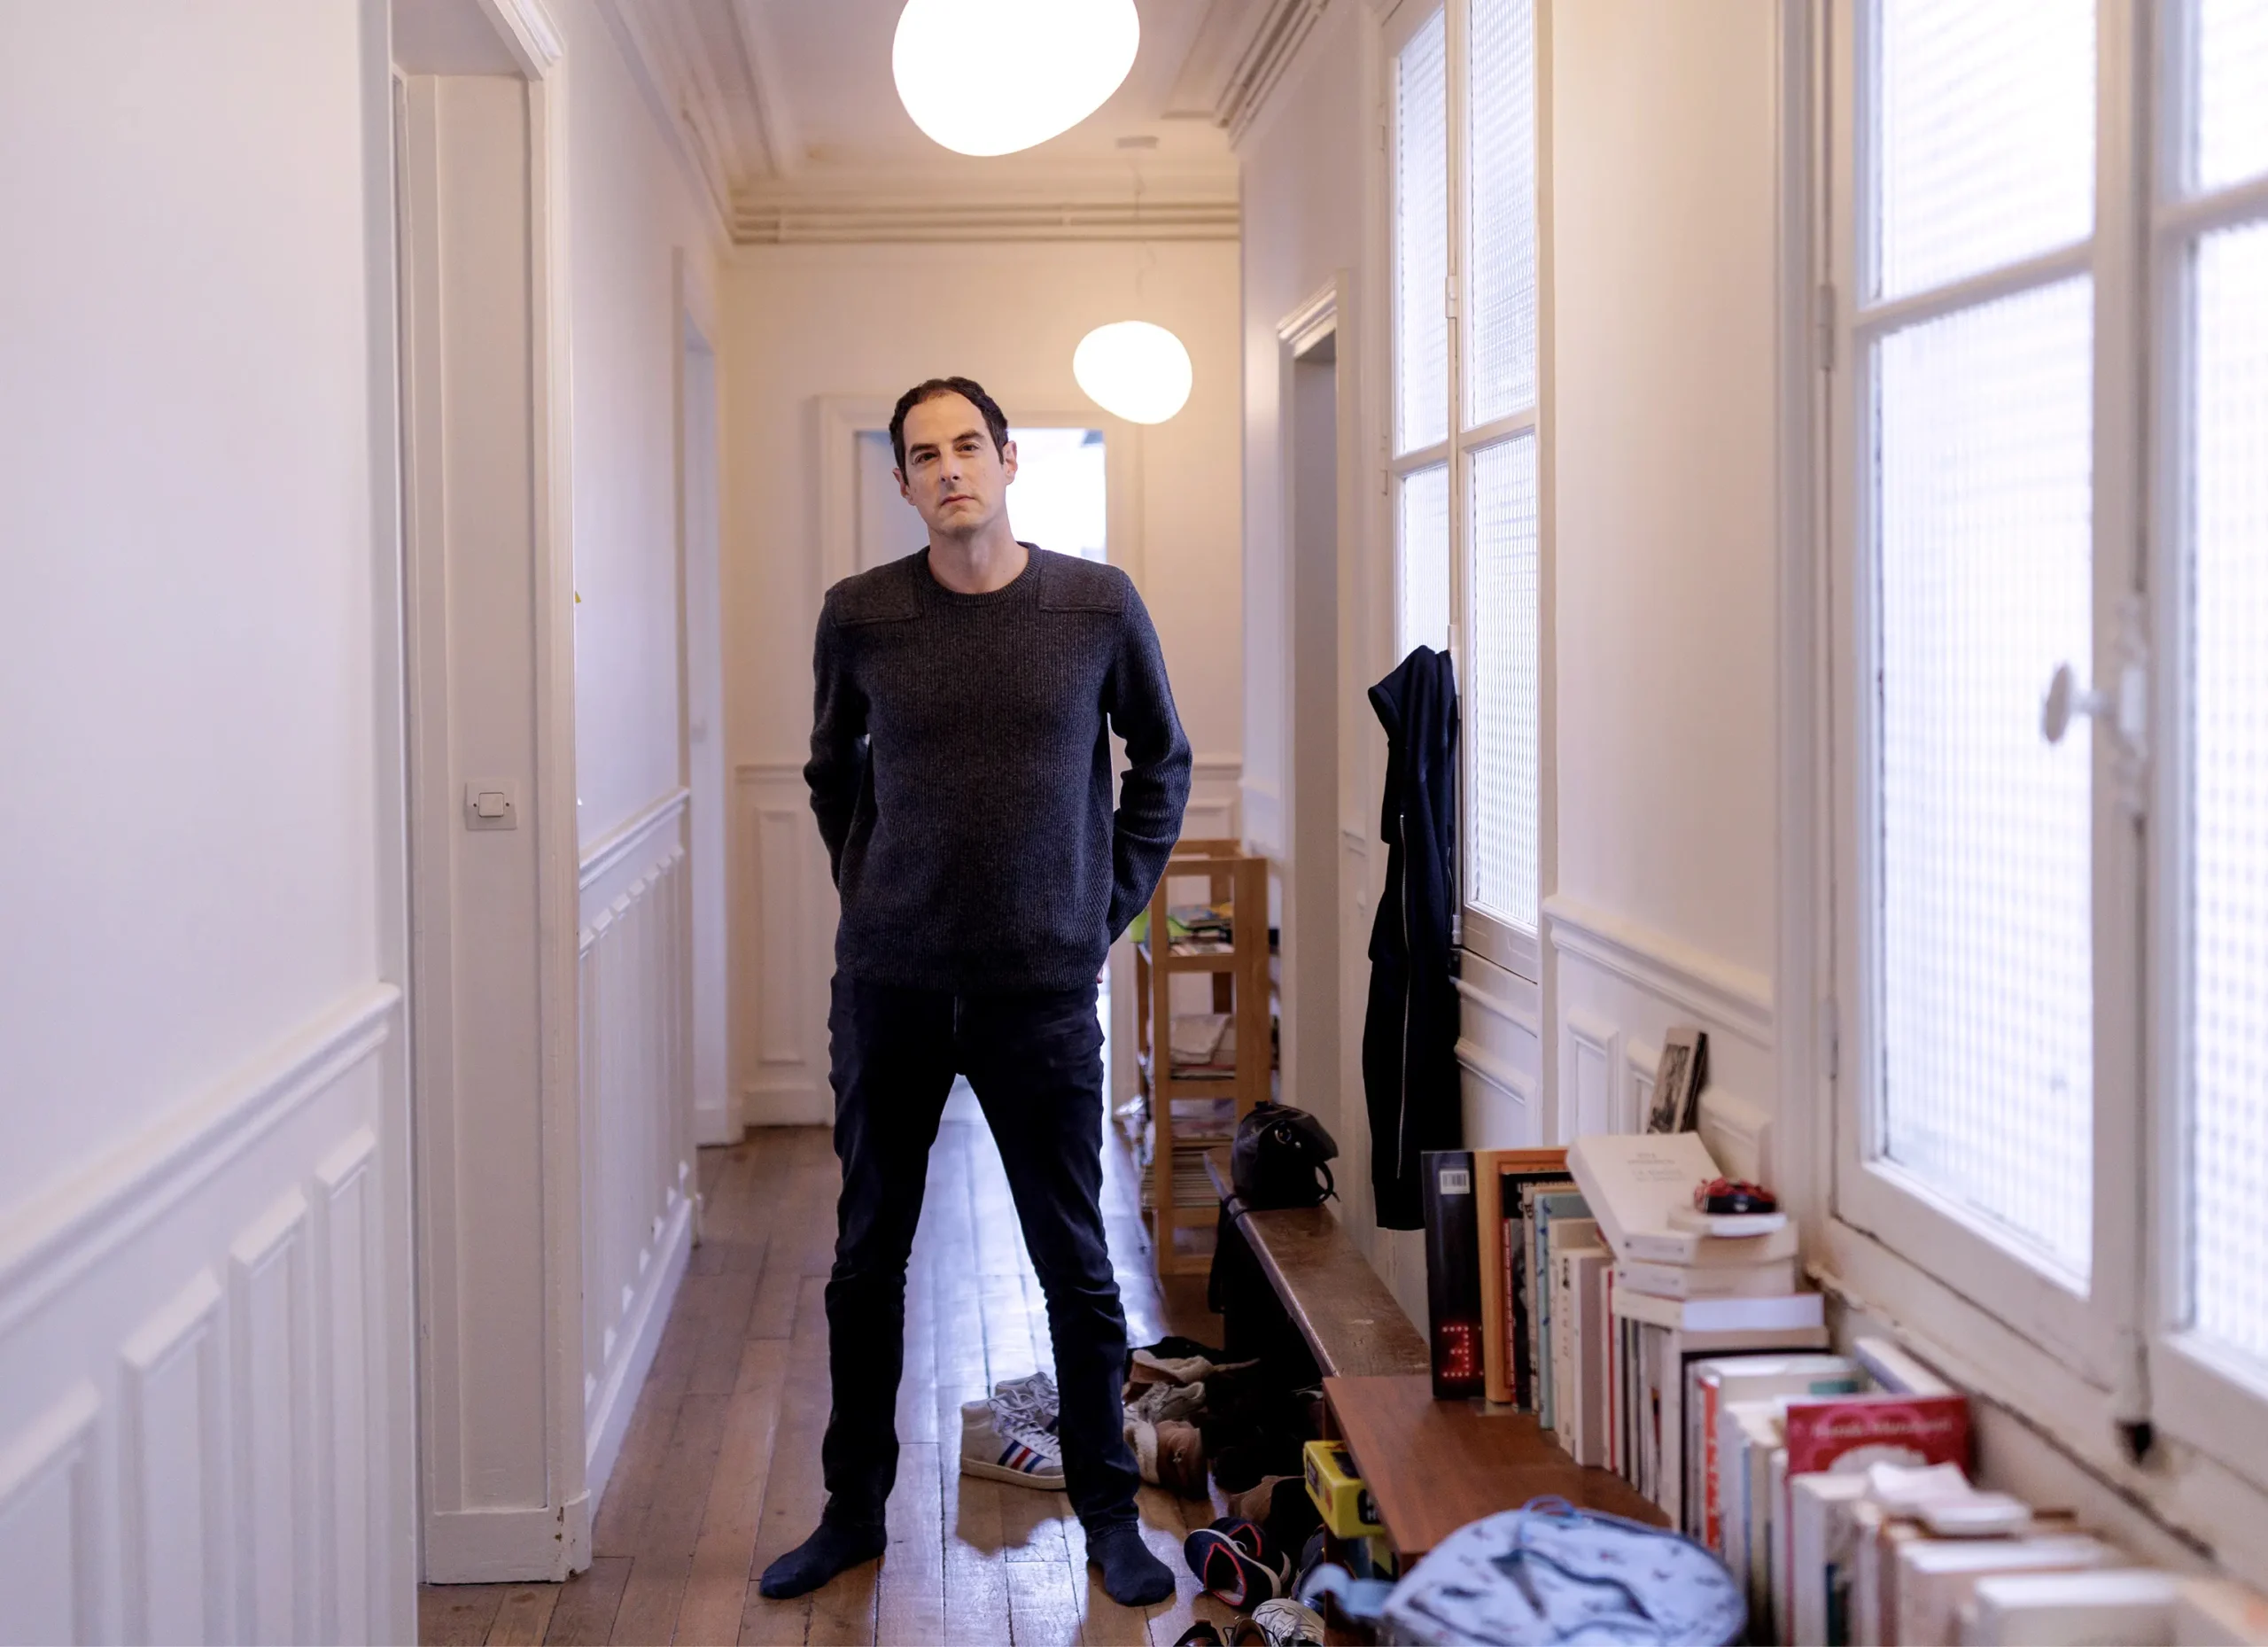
1134 370
993 77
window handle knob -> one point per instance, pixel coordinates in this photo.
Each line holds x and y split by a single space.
2066 698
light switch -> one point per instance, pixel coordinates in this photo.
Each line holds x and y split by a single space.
491 804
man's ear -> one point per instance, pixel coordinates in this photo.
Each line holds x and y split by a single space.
1008 458
904 490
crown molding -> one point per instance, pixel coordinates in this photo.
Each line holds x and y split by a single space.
1196 207
694 143
1241 51
782 148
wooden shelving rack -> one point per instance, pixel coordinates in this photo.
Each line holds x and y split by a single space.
1180 1196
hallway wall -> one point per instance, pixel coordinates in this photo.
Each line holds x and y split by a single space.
633 208
204 1336
804 323
1660 439
1662 444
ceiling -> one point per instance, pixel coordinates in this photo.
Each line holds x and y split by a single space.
787 111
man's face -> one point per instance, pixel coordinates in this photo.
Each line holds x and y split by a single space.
954 475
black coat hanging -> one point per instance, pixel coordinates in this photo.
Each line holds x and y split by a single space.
1409 1068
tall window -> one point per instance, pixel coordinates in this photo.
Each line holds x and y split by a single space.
1468 516
2050 431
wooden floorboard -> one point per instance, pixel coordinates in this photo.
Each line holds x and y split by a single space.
719 1470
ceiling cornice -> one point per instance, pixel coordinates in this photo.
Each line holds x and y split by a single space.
697 157
783 149
1239 55
842 216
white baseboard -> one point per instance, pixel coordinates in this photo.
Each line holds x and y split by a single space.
796 1104
712 1124
607 1418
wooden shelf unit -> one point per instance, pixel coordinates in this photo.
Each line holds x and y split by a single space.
1240 986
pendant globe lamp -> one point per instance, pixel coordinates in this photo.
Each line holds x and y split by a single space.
993 77
1134 370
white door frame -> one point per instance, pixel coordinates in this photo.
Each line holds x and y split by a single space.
460 1322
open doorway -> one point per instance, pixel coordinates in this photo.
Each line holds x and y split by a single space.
717 1118
1315 1025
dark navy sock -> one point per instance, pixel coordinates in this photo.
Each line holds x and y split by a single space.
1134 1577
834 1548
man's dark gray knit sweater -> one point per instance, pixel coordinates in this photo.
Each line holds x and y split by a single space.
961 771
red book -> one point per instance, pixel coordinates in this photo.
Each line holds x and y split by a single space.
1852 1432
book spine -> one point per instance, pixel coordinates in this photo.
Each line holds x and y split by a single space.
1453 1275
1496 1291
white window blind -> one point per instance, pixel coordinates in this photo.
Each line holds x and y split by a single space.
2225 1192
1501 221
1501 717
1974 426
1425 532
1465 458
1986 928
1984 136
1421 237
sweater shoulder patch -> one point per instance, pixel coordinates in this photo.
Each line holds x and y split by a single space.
879 596
1070 584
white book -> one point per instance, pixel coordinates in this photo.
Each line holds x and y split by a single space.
2133 1607
1632 1180
1896 1371
1778 1547
1566 1346
1688 1247
1811 1501
1591 1267
1723 1315
1747 1431
1767 1280
1713 1383
1937 1577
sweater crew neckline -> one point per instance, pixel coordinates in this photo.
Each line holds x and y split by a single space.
990 597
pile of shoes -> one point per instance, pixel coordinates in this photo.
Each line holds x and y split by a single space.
1240 1566
1011 1435
1171 1386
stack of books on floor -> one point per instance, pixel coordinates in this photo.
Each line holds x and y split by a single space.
1682 1351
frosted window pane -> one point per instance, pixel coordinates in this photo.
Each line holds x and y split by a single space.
1421 238
1502 694
1987 975
2232 91
1984 140
1426 559
2229 749
1502 228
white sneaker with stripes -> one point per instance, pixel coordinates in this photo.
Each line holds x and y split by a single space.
1004 1447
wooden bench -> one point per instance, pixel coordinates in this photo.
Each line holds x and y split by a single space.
1432 1465
1352 1324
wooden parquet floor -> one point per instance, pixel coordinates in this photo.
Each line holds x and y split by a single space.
719 1473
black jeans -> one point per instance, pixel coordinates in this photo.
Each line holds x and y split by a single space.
1036 1062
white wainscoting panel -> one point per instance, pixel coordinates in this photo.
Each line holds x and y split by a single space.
205 1365
1501 1051
635 982
1590 1070
1215 812
783 944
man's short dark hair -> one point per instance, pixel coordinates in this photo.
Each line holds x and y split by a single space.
995 421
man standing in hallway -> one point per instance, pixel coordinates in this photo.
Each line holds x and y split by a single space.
961 773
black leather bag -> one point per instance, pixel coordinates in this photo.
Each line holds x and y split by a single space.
1281 1158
